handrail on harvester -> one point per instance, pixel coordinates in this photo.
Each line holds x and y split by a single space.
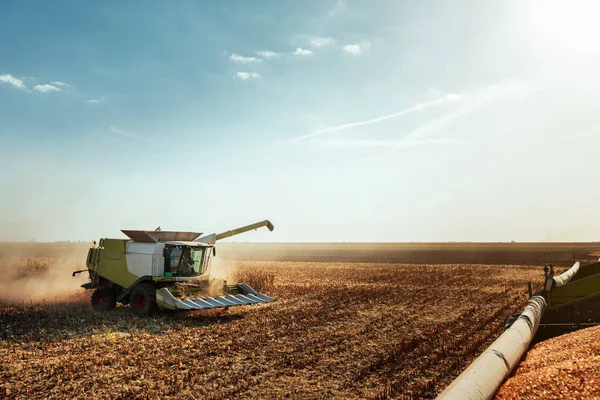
484 376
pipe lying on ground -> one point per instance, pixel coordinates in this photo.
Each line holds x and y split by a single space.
566 276
484 376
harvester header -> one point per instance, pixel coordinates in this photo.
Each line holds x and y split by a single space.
167 270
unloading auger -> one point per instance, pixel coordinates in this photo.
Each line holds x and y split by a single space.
567 302
162 270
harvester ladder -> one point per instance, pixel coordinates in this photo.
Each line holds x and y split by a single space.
96 263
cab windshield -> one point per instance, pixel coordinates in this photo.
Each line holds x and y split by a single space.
187 261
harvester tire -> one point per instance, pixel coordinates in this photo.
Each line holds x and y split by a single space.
143 299
103 299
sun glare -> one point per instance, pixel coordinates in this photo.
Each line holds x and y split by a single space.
571 25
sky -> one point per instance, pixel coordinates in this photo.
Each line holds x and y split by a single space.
338 120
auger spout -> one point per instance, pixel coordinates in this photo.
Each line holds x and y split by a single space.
223 235
246 228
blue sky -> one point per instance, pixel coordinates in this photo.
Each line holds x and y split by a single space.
339 120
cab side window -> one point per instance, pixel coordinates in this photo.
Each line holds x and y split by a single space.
172 260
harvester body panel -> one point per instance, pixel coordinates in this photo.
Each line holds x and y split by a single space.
110 263
574 290
573 299
145 258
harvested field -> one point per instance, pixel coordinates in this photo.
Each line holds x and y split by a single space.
408 253
338 330
565 367
417 253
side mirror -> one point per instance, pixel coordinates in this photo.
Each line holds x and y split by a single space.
214 251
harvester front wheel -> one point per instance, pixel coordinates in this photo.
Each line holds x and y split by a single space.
143 299
103 299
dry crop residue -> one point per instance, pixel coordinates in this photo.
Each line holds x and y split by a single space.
564 367
338 330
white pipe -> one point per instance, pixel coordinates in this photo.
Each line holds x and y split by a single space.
484 376
566 276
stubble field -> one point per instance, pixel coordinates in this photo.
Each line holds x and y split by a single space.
375 321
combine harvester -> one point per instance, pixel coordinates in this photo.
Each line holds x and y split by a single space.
566 303
162 270
573 300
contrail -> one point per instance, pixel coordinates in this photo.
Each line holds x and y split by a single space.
451 97
343 143
478 100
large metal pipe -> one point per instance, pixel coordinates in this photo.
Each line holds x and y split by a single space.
246 228
484 376
213 237
566 276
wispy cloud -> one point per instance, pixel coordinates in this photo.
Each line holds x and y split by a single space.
244 76
473 102
11 80
338 7
357 48
451 97
123 132
236 58
92 101
470 102
321 41
54 86
341 143
268 54
61 84
302 52
46 88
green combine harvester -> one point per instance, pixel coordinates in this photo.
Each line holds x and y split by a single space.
573 299
162 270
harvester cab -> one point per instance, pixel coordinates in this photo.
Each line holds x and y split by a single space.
162 270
